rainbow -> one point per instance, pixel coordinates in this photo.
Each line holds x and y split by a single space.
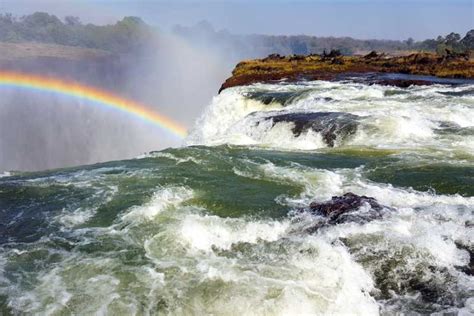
96 96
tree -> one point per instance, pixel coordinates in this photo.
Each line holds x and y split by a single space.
452 39
72 21
468 40
429 44
298 46
40 20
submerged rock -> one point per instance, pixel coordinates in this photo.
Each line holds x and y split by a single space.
469 267
402 83
281 97
339 205
331 125
346 208
446 127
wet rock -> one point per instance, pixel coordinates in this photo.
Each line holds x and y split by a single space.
394 80
445 127
280 97
469 268
339 205
331 125
402 83
346 208
462 93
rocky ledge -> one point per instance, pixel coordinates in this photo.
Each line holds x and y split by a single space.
333 66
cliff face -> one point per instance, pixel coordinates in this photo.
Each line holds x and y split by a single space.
327 67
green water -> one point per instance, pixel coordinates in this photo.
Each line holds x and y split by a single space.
224 227
45 235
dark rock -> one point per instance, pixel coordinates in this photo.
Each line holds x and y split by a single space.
333 53
462 93
469 268
446 128
273 57
296 57
372 54
342 209
280 97
342 204
331 125
403 83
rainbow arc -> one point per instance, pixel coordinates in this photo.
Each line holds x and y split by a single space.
94 95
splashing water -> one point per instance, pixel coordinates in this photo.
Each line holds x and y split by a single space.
221 227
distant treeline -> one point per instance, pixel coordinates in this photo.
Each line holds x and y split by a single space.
131 33
123 36
304 44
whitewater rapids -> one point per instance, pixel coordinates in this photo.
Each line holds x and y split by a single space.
219 227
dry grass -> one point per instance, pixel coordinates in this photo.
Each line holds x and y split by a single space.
317 67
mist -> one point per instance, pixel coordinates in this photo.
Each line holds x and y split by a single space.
172 76
364 19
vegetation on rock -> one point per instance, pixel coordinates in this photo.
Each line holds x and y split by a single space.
329 66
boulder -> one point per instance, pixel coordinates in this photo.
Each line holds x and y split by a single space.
331 125
349 207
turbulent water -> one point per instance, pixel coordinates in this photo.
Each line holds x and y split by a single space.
222 225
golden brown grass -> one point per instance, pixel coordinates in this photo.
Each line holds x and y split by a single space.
316 67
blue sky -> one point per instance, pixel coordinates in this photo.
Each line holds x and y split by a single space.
390 19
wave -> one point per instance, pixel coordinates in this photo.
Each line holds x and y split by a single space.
230 229
172 252
5 174
295 116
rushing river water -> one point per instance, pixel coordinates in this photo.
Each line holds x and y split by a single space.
221 226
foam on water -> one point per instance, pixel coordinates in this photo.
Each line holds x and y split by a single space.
188 261
199 230
229 107
392 117
421 235
172 157
163 199
5 174
257 268
80 215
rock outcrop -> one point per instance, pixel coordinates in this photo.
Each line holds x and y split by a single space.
331 125
349 207
334 67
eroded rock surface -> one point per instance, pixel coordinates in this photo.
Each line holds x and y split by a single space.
349 207
331 125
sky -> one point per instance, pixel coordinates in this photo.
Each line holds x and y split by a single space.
364 19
